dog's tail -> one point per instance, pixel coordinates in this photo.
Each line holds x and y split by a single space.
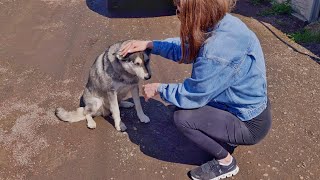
71 116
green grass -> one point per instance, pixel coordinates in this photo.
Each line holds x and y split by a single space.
305 36
278 9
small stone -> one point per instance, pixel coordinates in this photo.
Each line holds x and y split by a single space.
265 175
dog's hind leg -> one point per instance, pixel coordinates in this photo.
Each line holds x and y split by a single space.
114 108
92 109
91 124
137 103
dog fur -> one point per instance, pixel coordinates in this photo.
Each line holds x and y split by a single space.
111 78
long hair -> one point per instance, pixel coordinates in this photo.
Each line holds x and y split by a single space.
196 17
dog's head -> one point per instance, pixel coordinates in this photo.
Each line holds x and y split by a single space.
137 63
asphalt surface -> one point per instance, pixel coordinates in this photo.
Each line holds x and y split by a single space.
46 49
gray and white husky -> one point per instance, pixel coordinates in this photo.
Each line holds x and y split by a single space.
111 78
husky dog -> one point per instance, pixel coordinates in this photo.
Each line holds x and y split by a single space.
111 78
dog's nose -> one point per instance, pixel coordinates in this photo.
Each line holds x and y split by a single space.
147 77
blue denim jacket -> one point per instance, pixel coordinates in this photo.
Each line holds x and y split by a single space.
229 72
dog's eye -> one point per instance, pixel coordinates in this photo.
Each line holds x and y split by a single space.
138 64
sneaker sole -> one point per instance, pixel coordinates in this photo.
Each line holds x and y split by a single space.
223 176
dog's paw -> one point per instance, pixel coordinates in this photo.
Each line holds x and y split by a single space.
126 104
122 127
91 125
143 118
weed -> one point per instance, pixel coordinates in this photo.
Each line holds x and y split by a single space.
305 36
277 9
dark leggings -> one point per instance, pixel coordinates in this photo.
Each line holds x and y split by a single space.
218 132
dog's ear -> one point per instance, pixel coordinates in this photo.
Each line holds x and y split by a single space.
120 57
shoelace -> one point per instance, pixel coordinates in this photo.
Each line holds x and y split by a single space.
210 166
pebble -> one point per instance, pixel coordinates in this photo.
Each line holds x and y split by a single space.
265 175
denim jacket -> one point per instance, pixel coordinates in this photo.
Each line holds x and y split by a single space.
229 72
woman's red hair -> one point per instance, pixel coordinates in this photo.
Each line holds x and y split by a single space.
196 17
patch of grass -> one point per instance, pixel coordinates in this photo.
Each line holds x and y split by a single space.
305 36
278 9
257 2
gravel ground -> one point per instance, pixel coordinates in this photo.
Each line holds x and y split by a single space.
46 49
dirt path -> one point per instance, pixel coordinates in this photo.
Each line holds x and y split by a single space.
46 49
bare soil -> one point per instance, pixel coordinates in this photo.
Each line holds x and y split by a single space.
46 49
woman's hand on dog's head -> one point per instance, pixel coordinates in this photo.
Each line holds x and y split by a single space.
135 46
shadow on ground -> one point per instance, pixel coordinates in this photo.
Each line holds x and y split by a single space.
160 138
285 23
132 8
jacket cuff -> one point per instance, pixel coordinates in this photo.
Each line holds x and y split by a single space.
156 47
161 88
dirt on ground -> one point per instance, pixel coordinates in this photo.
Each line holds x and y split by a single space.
46 50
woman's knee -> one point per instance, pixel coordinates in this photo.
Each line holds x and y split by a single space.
181 118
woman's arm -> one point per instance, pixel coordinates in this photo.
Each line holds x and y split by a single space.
210 77
168 48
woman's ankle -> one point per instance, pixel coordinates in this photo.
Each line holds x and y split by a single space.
226 161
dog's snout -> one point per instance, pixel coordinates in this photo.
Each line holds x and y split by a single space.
147 77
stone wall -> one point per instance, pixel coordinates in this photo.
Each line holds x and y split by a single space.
302 7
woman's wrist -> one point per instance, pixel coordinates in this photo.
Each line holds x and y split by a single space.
149 44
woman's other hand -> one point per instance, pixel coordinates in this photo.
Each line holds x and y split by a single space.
134 46
150 90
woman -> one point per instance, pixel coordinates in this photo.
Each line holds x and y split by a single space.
224 103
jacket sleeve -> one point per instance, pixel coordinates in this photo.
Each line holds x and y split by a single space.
209 78
168 48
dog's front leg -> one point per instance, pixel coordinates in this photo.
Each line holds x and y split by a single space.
137 103
114 108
